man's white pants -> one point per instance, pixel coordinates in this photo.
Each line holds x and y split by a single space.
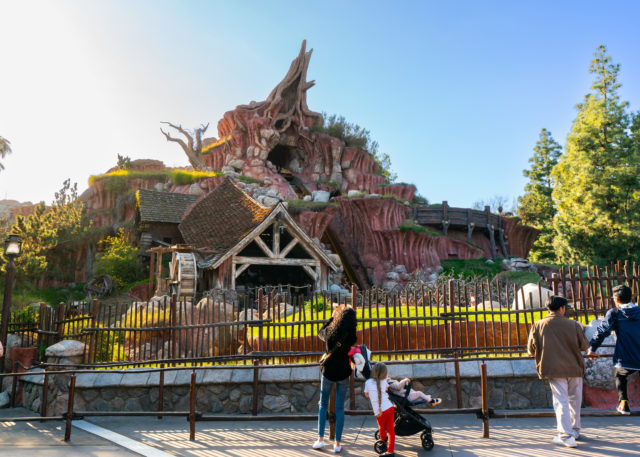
567 400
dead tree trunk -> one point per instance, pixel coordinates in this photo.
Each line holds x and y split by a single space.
193 146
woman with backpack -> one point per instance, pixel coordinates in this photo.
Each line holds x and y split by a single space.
339 334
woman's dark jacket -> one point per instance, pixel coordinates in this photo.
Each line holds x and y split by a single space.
339 340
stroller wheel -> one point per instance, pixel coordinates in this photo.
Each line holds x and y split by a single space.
427 441
377 434
380 447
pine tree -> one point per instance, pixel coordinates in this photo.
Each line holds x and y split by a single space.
536 205
598 188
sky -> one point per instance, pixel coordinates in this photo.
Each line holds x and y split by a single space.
456 92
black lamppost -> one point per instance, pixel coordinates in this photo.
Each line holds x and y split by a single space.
12 247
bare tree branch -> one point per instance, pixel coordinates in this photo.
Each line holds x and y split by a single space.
193 152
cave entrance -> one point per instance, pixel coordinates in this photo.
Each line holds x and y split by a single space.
287 162
281 156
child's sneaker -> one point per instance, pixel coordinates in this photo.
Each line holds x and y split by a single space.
318 444
623 408
435 401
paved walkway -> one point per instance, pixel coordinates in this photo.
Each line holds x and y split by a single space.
454 435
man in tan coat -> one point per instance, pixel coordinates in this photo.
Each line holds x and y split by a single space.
556 343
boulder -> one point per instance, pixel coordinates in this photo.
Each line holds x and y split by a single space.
600 373
320 196
65 348
533 297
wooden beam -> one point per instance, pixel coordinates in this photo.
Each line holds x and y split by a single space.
288 248
276 238
263 246
240 270
312 273
269 261
233 276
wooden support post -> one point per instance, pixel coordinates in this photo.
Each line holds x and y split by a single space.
45 390
484 386
161 391
456 366
554 283
43 307
60 328
470 227
152 270
256 378
492 240
503 246
192 407
72 391
173 318
90 354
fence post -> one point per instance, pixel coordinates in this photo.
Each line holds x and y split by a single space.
485 400
256 377
72 391
40 328
554 283
192 407
161 391
452 340
45 390
172 319
92 338
60 321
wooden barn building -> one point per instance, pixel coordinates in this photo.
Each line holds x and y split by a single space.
232 242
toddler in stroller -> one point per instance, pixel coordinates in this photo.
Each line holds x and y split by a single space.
406 421
414 396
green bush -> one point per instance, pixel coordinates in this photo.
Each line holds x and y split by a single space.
471 268
120 260
416 228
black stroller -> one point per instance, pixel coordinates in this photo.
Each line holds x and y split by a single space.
406 422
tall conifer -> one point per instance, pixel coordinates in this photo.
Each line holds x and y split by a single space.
536 205
597 192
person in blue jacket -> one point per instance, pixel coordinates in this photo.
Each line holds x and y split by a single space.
625 321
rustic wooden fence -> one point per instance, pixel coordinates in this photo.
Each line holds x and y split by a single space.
453 318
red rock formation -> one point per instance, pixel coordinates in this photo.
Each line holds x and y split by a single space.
518 237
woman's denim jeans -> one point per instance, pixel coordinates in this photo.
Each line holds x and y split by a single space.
325 393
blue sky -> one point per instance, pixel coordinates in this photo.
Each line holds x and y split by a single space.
456 92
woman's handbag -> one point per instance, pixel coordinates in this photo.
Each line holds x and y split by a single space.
326 355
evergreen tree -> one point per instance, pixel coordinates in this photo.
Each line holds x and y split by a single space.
536 205
598 188
51 238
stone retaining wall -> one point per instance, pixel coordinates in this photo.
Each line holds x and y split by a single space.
229 390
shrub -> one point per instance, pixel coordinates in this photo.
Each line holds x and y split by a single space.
471 268
416 228
120 260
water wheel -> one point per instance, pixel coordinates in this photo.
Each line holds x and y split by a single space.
183 273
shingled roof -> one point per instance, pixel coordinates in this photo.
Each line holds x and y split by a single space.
166 207
220 220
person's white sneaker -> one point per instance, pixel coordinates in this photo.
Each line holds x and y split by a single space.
337 448
318 444
569 441
576 435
